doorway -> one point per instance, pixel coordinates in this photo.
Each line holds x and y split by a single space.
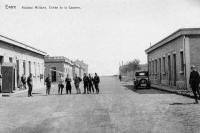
53 74
169 69
160 75
174 67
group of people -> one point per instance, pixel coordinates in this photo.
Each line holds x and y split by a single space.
88 81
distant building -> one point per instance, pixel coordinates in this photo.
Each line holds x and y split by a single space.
24 59
83 67
170 59
57 65
76 70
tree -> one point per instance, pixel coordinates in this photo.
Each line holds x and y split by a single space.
130 66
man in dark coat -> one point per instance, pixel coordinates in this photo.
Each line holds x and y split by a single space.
86 83
91 88
96 82
23 80
68 84
30 84
194 82
48 85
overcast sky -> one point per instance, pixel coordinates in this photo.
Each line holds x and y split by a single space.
103 32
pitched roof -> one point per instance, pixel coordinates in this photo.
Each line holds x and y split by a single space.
21 45
180 32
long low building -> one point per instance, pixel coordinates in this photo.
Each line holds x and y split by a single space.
24 59
170 60
56 65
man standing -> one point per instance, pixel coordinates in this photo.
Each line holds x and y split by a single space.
91 83
96 82
48 85
30 84
68 84
86 83
77 81
194 82
60 84
23 80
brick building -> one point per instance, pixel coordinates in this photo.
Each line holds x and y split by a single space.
57 65
24 59
170 59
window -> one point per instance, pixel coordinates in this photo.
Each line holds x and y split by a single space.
35 69
164 65
156 65
11 59
153 66
182 61
24 67
29 64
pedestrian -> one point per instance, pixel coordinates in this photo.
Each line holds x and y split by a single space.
120 77
0 83
194 82
77 81
96 82
30 84
23 80
48 85
68 84
60 84
86 84
91 83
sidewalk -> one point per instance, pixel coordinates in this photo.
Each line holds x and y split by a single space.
186 93
19 92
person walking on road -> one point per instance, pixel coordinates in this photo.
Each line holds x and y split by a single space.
77 81
96 82
120 77
60 84
23 80
68 84
30 84
194 82
86 84
48 85
91 83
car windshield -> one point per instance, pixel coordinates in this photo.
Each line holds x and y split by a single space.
141 74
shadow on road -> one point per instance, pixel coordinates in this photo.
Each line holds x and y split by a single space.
182 103
145 91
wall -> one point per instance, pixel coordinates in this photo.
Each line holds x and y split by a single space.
160 76
16 53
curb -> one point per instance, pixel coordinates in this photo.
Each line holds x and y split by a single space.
175 92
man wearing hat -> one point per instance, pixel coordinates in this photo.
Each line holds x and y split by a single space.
194 82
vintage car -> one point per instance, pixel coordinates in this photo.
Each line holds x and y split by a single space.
141 80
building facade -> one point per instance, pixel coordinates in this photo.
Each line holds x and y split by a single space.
170 60
76 70
82 66
56 65
24 59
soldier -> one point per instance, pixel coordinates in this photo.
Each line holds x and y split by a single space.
48 85
96 82
23 80
91 83
68 84
77 81
60 84
86 83
30 84
194 82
